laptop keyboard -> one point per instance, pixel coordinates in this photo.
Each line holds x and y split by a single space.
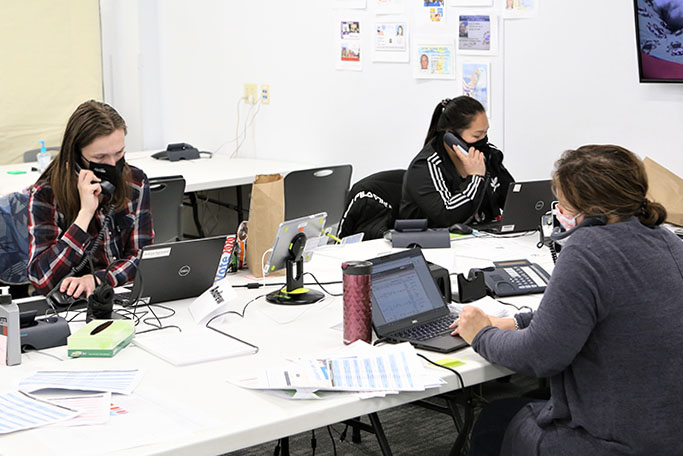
429 330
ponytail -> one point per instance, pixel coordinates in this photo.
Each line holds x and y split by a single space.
651 213
453 114
435 120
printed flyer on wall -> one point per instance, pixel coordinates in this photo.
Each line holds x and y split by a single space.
389 6
520 9
434 60
477 34
433 12
391 41
476 81
349 45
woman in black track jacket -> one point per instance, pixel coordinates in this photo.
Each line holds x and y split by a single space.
447 186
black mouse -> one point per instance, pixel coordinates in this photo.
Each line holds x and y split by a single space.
63 300
460 228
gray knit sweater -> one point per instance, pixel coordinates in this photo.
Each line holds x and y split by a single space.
609 334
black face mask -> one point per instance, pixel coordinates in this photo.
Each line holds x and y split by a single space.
108 173
481 144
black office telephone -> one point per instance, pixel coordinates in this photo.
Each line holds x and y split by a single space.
178 151
516 277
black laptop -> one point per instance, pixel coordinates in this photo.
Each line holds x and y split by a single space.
176 270
525 203
407 304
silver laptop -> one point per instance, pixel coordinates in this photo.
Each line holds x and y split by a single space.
407 304
525 203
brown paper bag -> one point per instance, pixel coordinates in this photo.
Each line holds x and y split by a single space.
266 212
666 188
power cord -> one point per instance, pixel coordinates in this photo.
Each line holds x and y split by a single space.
321 286
241 315
334 445
462 382
520 308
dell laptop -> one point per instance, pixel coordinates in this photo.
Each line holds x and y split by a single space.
176 270
524 205
407 305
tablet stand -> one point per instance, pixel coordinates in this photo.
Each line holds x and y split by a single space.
294 292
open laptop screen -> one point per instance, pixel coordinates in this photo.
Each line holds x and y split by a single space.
402 287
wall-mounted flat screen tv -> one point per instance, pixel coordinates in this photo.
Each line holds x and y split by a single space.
659 34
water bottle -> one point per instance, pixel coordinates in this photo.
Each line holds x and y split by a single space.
357 304
10 337
43 157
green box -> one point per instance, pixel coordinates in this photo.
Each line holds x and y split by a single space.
103 344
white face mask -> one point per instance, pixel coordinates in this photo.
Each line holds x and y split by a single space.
566 222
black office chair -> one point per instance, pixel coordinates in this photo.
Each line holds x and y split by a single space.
32 155
310 191
166 201
372 205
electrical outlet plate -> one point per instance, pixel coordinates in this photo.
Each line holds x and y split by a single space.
250 93
265 94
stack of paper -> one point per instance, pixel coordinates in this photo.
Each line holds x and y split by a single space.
363 368
113 381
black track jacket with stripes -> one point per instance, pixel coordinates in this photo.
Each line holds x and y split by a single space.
433 189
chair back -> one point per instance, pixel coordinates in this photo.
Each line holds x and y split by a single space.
32 155
166 202
316 190
372 205
14 238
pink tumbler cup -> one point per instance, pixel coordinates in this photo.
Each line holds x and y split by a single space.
357 305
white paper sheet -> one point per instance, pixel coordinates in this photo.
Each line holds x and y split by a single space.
19 411
192 346
93 408
114 381
212 302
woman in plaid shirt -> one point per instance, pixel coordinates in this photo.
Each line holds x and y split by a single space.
87 181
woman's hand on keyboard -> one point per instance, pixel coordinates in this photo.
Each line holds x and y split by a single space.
470 321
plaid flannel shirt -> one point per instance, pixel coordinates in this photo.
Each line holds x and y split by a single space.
54 249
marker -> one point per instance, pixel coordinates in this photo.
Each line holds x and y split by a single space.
334 238
16 172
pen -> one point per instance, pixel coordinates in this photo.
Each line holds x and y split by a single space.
16 172
334 238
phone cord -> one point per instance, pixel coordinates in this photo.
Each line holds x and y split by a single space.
553 252
96 243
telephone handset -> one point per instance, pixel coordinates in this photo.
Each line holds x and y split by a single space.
453 141
516 277
107 187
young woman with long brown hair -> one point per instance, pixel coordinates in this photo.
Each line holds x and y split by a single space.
89 201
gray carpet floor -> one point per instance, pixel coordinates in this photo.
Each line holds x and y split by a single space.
410 429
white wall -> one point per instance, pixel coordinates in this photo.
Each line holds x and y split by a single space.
570 78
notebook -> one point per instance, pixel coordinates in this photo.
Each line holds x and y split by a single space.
525 203
407 305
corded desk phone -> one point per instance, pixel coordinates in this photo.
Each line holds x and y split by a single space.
178 151
516 277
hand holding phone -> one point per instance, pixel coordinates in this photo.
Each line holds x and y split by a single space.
473 163
453 142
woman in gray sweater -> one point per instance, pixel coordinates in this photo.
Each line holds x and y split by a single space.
608 332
